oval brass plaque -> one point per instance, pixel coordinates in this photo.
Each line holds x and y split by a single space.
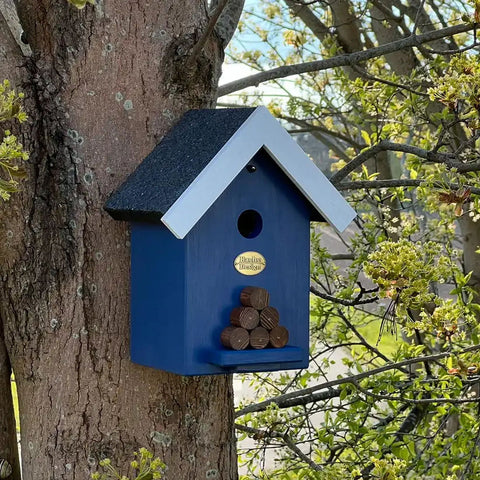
250 263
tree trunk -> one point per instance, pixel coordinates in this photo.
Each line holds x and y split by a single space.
471 243
104 84
8 436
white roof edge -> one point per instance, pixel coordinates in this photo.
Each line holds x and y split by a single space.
260 129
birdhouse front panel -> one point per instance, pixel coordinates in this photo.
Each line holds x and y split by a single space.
260 212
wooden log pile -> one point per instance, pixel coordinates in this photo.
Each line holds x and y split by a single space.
254 324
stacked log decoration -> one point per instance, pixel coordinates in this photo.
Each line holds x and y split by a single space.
255 324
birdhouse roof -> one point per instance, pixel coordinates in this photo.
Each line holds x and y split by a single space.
202 154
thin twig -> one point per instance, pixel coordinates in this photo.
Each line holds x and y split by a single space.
417 16
283 436
206 34
323 129
456 51
363 73
472 456
362 339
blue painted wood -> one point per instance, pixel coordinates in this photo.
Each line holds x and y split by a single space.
183 290
233 358
157 298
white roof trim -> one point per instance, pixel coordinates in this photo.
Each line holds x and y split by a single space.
259 130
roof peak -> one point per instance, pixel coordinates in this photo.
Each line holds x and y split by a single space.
202 154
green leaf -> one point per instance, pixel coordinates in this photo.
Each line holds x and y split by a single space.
80 4
7 186
344 394
366 137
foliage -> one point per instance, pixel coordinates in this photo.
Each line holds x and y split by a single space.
145 467
11 151
404 271
81 3
401 275
458 88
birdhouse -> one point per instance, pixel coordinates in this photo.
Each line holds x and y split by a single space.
220 217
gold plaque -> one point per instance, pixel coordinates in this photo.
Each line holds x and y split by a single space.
250 263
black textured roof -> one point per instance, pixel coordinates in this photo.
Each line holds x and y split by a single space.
174 163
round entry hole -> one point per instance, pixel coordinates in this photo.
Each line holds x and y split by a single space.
250 223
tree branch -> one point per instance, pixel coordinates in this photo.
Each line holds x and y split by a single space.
389 418
302 11
472 455
228 21
342 301
397 183
357 161
11 57
399 20
411 421
384 145
364 342
342 60
415 401
9 13
364 74
342 256
261 406
455 51
419 15
198 47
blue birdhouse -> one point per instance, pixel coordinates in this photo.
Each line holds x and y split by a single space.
220 217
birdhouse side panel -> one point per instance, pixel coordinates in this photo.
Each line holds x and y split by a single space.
260 212
157 298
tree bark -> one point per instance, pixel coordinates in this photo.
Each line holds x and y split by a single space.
103 86
10 58
346 25
471 243
386 31
8 436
